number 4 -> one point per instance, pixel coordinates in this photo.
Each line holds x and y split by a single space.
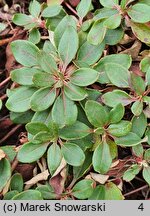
141 207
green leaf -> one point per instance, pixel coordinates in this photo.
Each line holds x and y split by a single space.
113 21
122 61
147 155
83 8
49 48
148 77
43 117
9 195
89 53
96 113
139 13
115 97
24 20
83 189
139 124
16 182
28 195
31 152
98 193
43 79
53 22
148 134
9 151
34 36
53 157
109 3
141 31
112 192
102 158
74 92
21 118
64 111
131 139
2 27
23 76
85 143
61 27
120 129
42 137
42 99
19 101
117 74
145 64
76 131
35 8
97 33
47 62
5 172
79 171
114 36
130 173
84 77
138 84
104 13
1 104
47 192
51 11
137 108
25 52
146 174
113 148
138 150
73 154
36 127
147 2
68 45
117 113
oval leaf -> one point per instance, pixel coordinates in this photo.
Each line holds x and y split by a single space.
115 97
73 154
68 45
19 101
64 111
16 182
31 152
42 99
96 113
83 189
119 129
23 76
25 52
54 157
131 139
84 77
74 92
75 131
102 158
117 113
28 195
5 172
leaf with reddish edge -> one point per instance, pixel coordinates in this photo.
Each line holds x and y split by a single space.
84 77
115 97
25 52
64 111
68 45
74 92
42 99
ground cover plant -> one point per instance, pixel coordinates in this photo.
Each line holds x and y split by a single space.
75 100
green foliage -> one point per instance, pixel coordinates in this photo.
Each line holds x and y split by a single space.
80 102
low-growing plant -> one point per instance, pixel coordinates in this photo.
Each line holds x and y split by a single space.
81 105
